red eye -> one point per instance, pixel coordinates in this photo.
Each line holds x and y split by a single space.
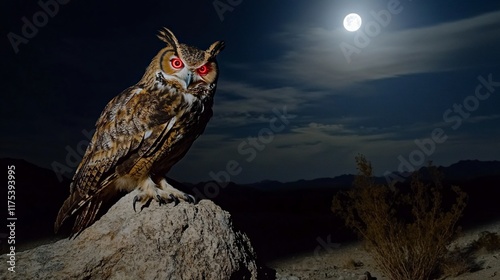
176 63
203 70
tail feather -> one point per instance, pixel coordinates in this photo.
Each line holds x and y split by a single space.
85 209
86 217
66 209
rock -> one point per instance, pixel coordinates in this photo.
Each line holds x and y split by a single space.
185 241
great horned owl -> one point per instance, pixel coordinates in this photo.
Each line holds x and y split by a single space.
144 131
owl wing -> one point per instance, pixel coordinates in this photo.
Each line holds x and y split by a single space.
128 128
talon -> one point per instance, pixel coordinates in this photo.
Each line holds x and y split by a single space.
134 202
175 199
190 198
146 204
161 201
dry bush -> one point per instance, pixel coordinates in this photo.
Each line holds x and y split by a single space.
405 231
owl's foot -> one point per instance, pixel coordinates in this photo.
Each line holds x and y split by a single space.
167 193
163 194
162 201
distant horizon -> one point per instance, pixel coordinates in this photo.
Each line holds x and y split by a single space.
269 180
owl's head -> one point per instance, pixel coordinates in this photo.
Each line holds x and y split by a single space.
185 66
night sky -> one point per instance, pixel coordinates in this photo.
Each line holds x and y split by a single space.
298 96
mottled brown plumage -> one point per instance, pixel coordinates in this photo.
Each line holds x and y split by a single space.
144 131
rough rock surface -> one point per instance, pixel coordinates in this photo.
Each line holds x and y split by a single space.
185 241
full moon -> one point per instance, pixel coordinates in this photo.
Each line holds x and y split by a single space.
352 22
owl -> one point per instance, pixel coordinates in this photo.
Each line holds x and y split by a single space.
144 131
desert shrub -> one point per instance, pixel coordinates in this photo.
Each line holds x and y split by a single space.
405 230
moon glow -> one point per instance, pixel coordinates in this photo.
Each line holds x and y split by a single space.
352 22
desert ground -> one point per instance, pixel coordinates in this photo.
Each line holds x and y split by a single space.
351 261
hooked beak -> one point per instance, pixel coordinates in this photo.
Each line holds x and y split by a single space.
188 79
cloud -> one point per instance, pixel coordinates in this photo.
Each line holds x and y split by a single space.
242 103
240 97
328 128
482 118
314 56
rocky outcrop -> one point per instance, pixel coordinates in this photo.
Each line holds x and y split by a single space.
185 241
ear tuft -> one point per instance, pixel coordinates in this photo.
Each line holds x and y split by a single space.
216 48
168 37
